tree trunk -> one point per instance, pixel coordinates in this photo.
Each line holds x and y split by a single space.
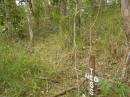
63 7
49 5
78 17
8 22
125 11
29 18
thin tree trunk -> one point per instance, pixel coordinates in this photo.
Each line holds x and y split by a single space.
63 7
49 6
78 19
8 23
125 10
29 18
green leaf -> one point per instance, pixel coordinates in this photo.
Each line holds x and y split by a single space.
104 87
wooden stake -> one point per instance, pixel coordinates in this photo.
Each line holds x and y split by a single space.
91 75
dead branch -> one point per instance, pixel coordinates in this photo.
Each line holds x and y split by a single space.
76 86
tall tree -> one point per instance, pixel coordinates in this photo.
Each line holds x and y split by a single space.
125 10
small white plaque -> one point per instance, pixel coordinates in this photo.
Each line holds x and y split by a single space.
90 77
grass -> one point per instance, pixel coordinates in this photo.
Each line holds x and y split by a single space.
19 72
53 58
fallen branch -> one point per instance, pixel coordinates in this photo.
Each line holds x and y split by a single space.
76 86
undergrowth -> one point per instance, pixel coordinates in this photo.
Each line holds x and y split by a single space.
34 75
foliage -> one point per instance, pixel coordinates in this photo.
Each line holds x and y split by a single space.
108 87
105 87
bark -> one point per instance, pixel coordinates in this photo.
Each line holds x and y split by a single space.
125 11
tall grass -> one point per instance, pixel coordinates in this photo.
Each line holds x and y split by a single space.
19 72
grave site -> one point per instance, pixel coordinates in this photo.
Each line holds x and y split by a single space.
64 48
